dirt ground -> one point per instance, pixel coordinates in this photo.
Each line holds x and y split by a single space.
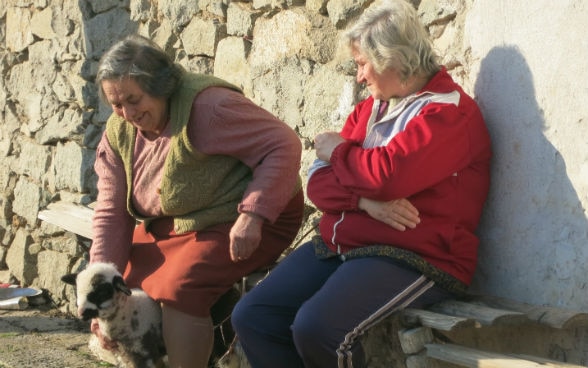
41 336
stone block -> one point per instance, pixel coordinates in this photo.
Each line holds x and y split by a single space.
231 62
44 52
196 64
201 36
73 167
140 10
217 8
436 12
165 36
317 6
67 244
41 24
18 29
178 12
20 260
241 19
51 266
27 198
281 89
338 95
101 6
7 177
62 22
103 30
413 340
261 4
34 160
292 34
61 126
419 361
342 11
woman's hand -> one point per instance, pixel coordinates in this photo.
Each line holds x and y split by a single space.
245 236
105 342
398 213
325 143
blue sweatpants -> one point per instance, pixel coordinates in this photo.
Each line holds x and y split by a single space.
310 312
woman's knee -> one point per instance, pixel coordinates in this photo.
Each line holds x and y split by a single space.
241 315
320 343
250 315
311 332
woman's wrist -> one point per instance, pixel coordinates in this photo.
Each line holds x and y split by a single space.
253 217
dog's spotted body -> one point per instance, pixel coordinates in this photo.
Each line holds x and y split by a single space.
128 317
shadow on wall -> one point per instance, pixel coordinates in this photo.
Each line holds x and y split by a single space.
102 28
103 25
534 228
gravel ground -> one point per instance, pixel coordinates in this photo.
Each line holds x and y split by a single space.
43 337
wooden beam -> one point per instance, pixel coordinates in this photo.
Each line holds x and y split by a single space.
436 321
69 216
549 316
467 357
483 314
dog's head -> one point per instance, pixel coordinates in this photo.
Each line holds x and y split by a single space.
98 289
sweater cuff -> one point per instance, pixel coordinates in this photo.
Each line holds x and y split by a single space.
258 210
339 153
354 202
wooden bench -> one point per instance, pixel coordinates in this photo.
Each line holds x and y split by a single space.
427 336
72 217
450 317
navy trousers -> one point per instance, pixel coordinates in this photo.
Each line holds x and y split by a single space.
310 312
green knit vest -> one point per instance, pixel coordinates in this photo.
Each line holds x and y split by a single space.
196 189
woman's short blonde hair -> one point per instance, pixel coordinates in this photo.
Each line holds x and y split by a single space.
390 35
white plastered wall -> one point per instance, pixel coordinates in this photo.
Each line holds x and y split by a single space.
530 77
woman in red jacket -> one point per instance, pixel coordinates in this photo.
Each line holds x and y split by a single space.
401 189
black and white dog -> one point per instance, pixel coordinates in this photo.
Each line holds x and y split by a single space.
133 319
129 317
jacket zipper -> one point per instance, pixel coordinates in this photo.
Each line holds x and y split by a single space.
335 232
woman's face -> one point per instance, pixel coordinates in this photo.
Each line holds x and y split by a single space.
145 112
382 86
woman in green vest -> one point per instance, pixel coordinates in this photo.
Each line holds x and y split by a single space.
211 178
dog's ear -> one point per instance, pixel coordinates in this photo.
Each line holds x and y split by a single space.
70 278
119 284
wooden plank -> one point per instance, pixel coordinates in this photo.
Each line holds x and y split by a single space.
467 357
483 314
436 321
549 363
549 316
69 216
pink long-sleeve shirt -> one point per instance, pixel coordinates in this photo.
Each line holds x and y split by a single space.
222 122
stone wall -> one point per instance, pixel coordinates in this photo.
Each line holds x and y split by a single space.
283 53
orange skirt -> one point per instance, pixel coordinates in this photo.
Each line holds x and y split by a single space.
191 271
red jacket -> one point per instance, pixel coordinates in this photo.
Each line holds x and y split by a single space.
439 161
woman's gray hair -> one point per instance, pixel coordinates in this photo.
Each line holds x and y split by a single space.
391 35
143 61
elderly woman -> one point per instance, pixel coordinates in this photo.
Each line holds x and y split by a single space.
401 189
212 177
